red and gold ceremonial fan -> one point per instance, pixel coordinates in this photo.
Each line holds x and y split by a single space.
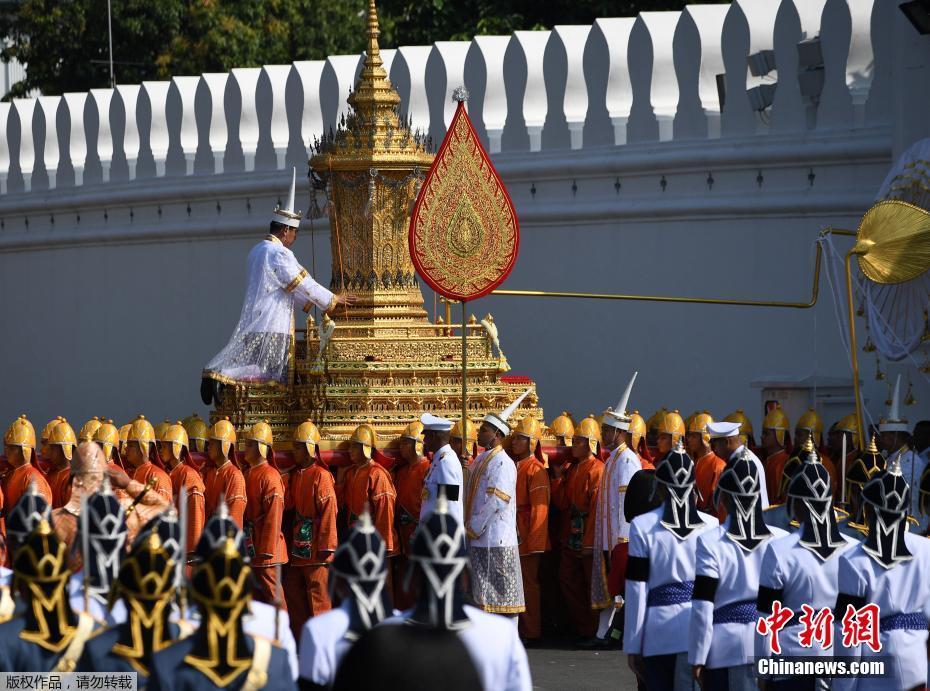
464 233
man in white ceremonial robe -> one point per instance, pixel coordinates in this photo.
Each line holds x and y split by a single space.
260 347
491 520
610 526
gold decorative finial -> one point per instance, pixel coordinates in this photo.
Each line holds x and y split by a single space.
873 447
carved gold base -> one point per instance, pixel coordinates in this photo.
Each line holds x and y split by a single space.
385 372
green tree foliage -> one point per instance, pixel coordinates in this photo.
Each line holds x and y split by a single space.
63 43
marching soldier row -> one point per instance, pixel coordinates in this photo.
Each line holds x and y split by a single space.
530 526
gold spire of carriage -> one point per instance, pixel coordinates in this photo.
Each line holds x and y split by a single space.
382 360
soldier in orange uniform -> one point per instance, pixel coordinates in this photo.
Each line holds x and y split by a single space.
637 434
43 440
312 499
670 428
264 511
775 428
19 446
367 482
175 454
107 438
89 429
554 615
409 476
708 466
61 441
222 478
576 496
533 493
141 456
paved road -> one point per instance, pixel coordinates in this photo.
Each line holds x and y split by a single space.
554 669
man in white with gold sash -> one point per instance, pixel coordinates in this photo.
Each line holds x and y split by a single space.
260 347
610 526
491 520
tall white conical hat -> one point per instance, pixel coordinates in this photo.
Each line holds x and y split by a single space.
287 215
618 417
499 420
893 422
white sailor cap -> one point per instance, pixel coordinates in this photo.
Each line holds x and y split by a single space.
720 430
433 423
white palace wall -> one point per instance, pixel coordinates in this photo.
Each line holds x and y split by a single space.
123 235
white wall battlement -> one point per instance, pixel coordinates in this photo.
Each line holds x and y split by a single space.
655 75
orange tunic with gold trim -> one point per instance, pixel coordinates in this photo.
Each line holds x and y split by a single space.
576 495
312 497
59 481
226 482
408 482
533 496
183 475
371 483
264 511
162 485
774 467
17 482
707 471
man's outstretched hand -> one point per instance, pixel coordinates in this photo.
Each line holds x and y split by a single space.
346 299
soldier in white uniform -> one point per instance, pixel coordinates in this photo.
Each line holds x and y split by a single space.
610 526
360 569
801 568
726 583
889 570
438 560
735 447
660 577
276 284
445 469
491 520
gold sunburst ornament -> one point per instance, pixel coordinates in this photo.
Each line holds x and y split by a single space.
464 233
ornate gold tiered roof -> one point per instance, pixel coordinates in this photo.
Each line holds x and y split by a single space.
382 361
